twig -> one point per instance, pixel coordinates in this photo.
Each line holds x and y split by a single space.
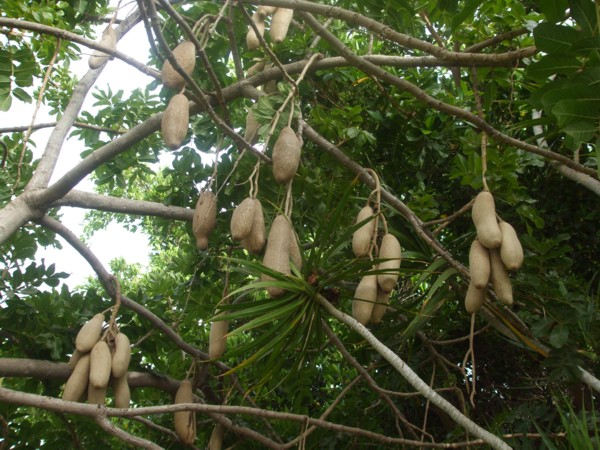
110 427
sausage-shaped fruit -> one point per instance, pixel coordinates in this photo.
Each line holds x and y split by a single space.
185 421
389 249
256 240
122 355
74 358
365 297
185 55
89 333
252 40
122 394
474 298
78 380
251 131
100 365
361 239
286 155
500 279
96 395
175 121
242 219
479 264
280 22
205 218
98 57
264 11
295 254
277 253
217 339
380 306
511 251
484 218
216 438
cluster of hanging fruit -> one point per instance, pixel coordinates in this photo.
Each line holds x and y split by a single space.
494 252
99 361
372 294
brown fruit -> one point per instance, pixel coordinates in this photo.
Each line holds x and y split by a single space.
361 239
218 339
78 380
256 240
205 218
185 55
479 265
256 68
175 121
216 438
251 131
511 251
277 253
280 23
500 279
252 40
474 298
484 218
295 254
74 359
380 306
389 249
286 155
89 334
96 395
365 297
100 365
242 219
122 355
264 11
121 392
185 421
109 39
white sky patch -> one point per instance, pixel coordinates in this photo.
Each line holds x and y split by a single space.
115 241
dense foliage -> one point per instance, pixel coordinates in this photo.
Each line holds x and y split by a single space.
439 98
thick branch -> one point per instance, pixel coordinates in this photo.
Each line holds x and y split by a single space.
81 199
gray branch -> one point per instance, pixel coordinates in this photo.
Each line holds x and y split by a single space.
87 200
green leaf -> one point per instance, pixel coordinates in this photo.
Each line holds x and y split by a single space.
552 38
576 110
550 65
581 132
559 336
554 10
467 11
585 14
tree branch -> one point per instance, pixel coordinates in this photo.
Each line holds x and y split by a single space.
53 404
88 200
63 34
412 377
111 428
371 69
388 33
39 126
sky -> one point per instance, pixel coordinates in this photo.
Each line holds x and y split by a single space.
133 247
